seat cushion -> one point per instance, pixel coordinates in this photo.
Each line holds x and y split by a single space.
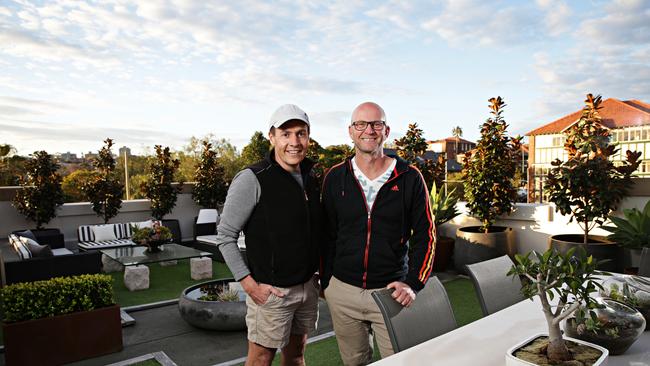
62 251
87 245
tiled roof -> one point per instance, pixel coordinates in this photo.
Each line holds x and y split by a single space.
614 114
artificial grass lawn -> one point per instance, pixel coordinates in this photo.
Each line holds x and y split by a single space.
150 362
463 300
166 283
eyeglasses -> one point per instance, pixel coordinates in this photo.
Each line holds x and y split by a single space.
362 125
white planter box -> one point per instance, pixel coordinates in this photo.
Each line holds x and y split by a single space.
514 361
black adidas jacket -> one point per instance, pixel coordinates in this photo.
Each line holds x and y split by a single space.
371 249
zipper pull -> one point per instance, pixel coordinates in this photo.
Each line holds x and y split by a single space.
306 197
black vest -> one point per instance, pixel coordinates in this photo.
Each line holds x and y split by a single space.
282 233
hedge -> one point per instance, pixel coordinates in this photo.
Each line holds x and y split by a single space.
57 296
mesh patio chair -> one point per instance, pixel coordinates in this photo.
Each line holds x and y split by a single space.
429 316
494 288
644 264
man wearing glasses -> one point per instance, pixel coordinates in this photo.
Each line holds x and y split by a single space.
377 206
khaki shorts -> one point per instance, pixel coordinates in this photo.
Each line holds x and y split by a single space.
271 323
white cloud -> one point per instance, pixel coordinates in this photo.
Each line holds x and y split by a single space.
558 16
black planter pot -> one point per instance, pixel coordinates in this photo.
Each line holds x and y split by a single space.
473 246
213 315
597 246
444 252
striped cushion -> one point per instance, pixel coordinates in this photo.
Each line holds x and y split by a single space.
21 248
105 244
85 232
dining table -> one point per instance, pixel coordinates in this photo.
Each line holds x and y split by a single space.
485 341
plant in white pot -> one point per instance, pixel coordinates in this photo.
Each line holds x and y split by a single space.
564 284
488 173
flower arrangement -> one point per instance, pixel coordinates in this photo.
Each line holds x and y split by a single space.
151 237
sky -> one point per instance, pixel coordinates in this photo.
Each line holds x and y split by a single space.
73 73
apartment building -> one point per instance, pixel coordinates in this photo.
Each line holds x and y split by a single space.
629 124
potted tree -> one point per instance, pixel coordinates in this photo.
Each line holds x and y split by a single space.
588 186
443 208
210 187
158 188
570 280
103 189
61 320
633 234
487 173
40 196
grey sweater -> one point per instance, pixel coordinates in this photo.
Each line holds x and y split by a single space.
243 195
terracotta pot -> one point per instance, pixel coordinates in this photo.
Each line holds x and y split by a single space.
598 246
473 245
63 339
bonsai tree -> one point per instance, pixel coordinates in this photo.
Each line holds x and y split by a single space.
158 187
210 187
488 170
570 279
103 189
588 186
633 231
41 193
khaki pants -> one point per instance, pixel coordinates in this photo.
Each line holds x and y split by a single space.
354 313
271 323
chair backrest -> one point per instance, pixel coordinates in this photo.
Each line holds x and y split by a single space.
429 316
644 264
494 288
207 216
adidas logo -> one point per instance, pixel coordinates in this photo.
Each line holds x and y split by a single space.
395 188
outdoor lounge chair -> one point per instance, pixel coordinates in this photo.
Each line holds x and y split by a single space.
429 316
494 288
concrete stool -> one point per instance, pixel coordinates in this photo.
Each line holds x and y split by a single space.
110 265
136 277
201 268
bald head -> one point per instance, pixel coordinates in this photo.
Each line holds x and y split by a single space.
368 111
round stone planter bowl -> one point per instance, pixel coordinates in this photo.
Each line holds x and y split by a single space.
213 315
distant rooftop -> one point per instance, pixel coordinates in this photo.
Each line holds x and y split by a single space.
614 113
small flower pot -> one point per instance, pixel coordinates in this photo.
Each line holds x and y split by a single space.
512 360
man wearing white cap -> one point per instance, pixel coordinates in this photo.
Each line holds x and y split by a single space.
276 202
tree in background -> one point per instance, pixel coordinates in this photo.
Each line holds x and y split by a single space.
457 132
158 187
412 147
256 149
588 186
41 193
210 188
73 184
488 171
104 190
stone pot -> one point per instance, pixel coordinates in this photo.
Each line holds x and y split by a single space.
598 246
625 323
631 260
209 314
472 245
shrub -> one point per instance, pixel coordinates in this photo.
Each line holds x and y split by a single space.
57 296
104 189
488 170
158 187
41 193
588 186
210 187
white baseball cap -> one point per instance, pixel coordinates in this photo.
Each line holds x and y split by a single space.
286 113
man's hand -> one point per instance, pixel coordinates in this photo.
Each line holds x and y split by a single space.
403 293
259 292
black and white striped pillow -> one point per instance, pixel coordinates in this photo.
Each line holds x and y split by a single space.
21 248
